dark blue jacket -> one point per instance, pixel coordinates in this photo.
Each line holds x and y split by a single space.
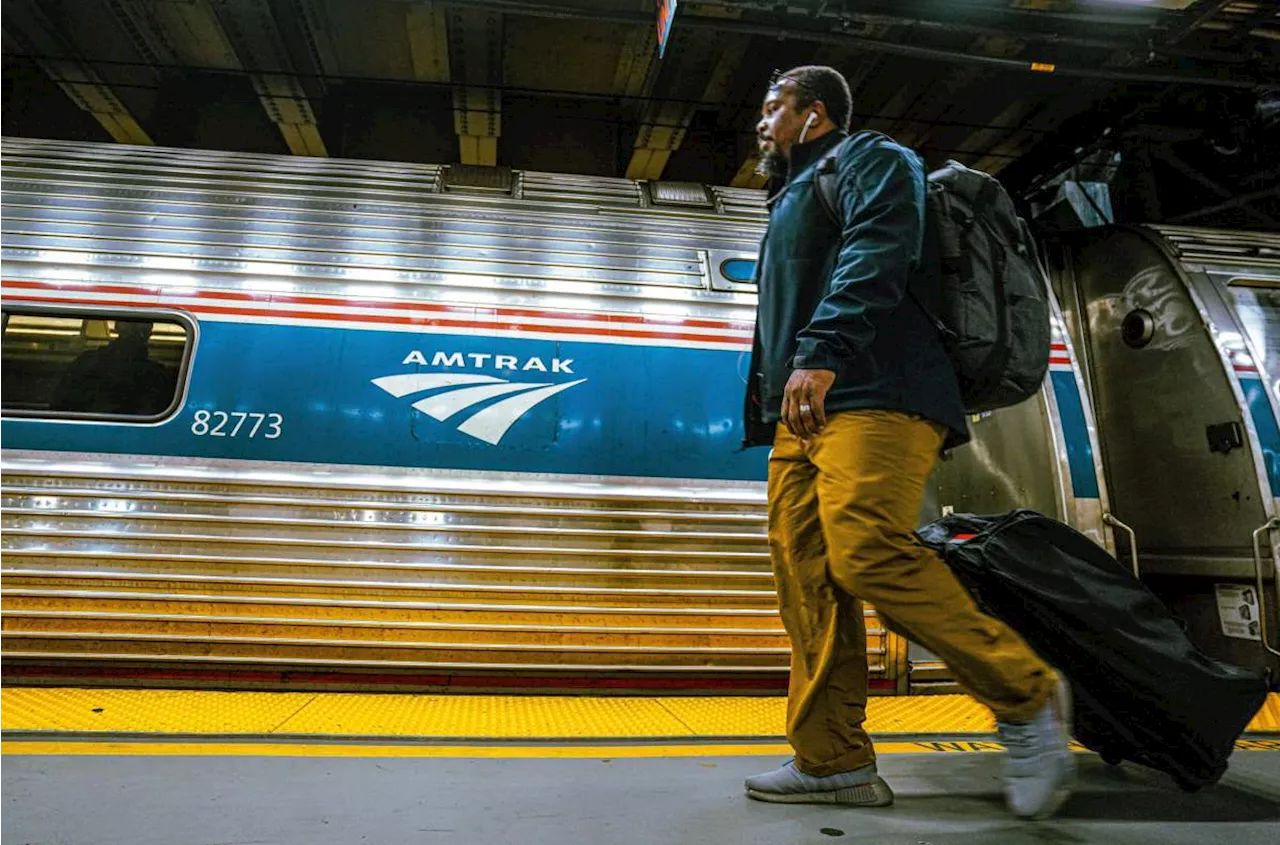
833 296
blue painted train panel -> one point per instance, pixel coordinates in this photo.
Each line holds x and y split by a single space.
1264 422
1075 432
500 404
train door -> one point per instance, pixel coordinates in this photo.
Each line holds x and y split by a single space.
1041 454
1187 424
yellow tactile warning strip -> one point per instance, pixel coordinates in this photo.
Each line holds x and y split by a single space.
465 717
495 716
146 711
65 710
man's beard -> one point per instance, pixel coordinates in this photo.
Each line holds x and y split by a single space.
772 165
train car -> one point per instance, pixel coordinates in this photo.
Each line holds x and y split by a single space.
1179 334
404 426
1156 432
419 426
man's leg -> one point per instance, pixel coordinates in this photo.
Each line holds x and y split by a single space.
826 703
872 468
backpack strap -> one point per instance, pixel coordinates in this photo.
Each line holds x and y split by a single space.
828 192
828 197
986 195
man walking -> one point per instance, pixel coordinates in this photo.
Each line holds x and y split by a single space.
851 383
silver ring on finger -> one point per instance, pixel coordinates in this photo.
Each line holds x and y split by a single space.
806 408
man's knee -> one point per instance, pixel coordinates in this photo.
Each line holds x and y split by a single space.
797 543
875 557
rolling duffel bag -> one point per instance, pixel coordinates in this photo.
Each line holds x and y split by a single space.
1142 691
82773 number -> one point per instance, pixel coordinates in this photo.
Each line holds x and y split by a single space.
237 424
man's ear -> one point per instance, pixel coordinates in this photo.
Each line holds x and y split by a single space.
820 109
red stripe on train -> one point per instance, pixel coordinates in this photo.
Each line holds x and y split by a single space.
398 306
407 321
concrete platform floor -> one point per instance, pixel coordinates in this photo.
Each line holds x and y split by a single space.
943 799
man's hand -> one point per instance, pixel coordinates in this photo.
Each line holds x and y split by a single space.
804 402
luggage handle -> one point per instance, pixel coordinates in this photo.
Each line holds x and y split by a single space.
1273 522
1133 540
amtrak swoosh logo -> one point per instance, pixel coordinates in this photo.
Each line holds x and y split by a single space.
456 392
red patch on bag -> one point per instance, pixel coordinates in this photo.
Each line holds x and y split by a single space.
960 538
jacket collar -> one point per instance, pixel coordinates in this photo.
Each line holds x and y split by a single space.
803 155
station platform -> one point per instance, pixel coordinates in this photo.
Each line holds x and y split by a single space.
108 766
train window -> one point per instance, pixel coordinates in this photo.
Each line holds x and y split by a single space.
60 364
1258 304
740 270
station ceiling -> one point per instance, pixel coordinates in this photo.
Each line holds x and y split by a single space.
1018 87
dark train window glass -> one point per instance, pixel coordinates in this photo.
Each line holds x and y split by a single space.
60 364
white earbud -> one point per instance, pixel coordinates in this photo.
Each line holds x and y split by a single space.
813 115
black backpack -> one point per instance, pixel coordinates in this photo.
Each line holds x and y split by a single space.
994 318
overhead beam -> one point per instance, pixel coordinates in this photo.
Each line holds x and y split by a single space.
748 175
28 25
667 121
634 77
428 31
254 34
637 63
310 37
245 35
660 135
475 61
1194 18
193 34
944 97
137 20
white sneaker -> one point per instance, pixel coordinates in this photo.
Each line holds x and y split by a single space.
788 785
1039 770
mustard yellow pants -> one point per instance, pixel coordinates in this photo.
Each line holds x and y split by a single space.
842 509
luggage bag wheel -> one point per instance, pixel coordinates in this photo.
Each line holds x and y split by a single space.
1111 758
